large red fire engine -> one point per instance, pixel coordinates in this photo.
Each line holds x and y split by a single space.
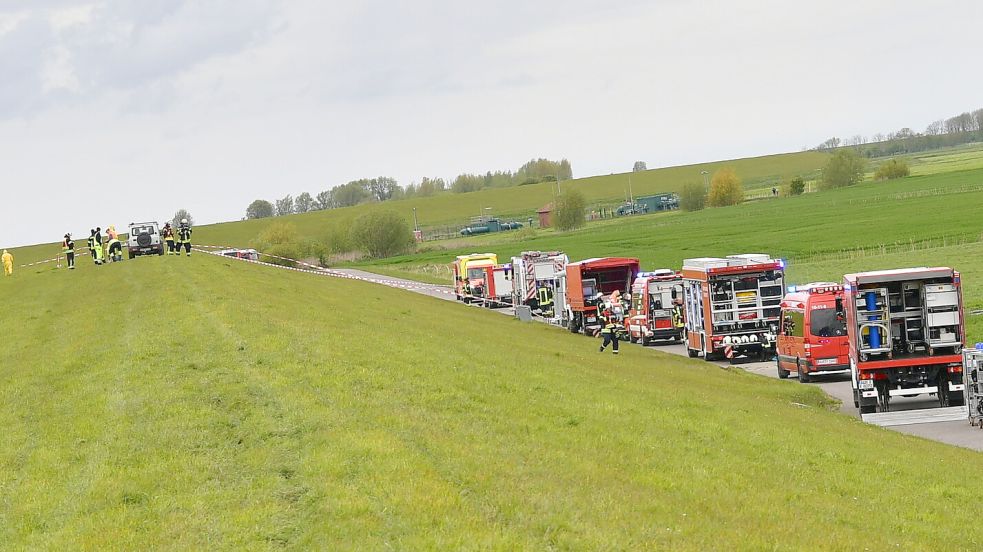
906 330
732 305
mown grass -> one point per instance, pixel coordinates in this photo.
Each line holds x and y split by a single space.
207 404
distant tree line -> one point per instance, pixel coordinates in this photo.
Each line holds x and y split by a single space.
384 188
959 129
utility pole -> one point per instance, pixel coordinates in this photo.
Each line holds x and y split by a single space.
706 181
416 223
631 197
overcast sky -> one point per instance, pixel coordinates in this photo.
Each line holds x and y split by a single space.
114 111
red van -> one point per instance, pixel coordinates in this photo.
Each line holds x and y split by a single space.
812 336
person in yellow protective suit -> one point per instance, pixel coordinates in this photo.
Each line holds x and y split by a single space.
97 245
8 263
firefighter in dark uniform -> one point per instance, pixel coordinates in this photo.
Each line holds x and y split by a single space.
68 248
677 317
92 243
169 238
545 301
184 237
466 290
609 331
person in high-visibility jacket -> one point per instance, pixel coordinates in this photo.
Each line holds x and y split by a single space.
97 246
68 248
677 315
115 248
545 301
91 243
184 237
609 331
168 233
8 263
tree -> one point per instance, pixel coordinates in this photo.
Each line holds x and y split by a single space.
322 200
426 188
564 171
935 128
284 206
382 188
303 203
280 241
845 168
259 209
692 197
467 183
725 188
829 144
180 215
891 169
382 234
568 210
797 186
639 166
349 194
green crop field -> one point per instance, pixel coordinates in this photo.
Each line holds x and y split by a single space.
203 403
913 221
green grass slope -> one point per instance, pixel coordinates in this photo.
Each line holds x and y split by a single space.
206 404
523 201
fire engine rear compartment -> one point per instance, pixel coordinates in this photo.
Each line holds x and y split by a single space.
908 318
906 336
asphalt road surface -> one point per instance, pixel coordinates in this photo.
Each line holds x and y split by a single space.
958 433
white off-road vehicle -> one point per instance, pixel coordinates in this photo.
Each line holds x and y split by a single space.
144 239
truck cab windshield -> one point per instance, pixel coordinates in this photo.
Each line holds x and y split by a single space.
827 323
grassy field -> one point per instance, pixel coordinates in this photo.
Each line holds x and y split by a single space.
823 235
523 201
206 404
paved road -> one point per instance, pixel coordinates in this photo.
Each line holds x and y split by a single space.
837 386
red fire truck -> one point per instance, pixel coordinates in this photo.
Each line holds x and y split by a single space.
906 330
732 305
812 338
656 307
587 281
495 290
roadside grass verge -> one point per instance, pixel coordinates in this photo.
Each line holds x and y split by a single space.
205 403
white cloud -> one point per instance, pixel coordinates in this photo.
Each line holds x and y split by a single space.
208 105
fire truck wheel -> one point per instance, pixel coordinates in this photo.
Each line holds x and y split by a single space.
803 375
868 409
693 353
782 373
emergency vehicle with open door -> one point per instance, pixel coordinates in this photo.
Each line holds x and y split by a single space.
732 305
496 291
906 330
472 267
656 307
536 282
812 337
588 282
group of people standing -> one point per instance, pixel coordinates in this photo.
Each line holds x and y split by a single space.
111 250
102 252
183 238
